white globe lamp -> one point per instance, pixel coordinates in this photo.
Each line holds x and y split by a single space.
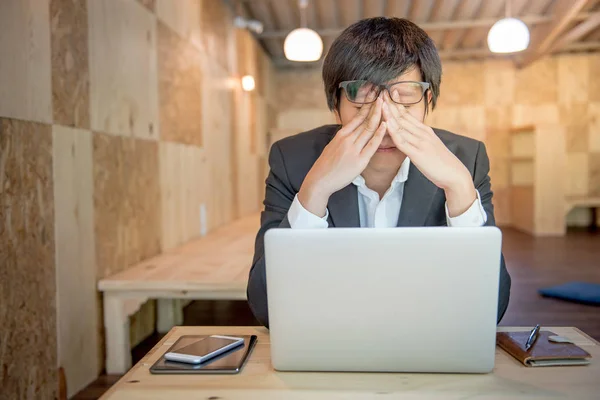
303 45
508 35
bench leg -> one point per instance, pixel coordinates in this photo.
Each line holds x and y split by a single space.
116 325
169 314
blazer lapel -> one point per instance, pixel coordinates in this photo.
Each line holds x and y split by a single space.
343 208
417 198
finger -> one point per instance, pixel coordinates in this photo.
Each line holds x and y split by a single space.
357 120
372 122
413 127
418 124
397 133
373 144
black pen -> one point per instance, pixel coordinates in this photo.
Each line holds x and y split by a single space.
532 337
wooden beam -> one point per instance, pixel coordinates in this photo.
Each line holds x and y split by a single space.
428 26
578 32
564 13
466 10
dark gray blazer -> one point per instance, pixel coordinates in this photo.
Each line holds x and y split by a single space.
291 158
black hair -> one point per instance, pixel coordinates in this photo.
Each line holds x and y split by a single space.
379 50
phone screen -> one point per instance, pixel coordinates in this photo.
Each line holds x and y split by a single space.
205 346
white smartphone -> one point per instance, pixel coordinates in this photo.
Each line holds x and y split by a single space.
204 349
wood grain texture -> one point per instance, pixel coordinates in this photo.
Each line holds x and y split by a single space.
501 201
594 175
594 127
149 4
259 380
217 31
218 130
123 77
549 169
577 174
28 361
25 72
574 117
184 190
191 267
573 79
499 86
522 173
523 144
499 172
537 83
522 208
70 71
594 83
75 256
126 201
183 17
299 90
466 91
180 88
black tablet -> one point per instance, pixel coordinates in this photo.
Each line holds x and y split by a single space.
230 362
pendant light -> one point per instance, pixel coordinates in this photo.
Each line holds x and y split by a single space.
303 44
508 35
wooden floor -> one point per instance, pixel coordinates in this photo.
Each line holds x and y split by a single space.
532 263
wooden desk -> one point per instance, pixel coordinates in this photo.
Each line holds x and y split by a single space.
213 267
510 379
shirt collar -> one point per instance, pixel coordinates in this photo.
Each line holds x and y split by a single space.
400 177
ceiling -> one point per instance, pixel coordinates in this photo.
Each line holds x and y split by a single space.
458 27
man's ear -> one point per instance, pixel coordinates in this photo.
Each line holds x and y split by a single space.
429 96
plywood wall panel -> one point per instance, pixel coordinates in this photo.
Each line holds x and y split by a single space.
522 208
573 79
27 265
75 256
499 83
25 72
466 91
180 88
522 173
594 82
501 201
123 77
300 89
574 117
127 209
594 127
70 71
183 17
577 174
499 172
184 191
301 120
217 31
594 174
218 129
550 166
537 83
149 4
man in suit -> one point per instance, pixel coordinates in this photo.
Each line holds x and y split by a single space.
381 165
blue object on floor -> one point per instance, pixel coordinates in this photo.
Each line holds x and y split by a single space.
579 292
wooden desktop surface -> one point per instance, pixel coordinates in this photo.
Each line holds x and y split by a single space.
258 380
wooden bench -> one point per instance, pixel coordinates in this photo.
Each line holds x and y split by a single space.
592 203
214 267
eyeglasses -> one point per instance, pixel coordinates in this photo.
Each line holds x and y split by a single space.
365 92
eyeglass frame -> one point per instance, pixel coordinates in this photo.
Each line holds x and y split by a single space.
425 85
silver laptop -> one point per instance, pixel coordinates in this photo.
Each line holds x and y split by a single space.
386 300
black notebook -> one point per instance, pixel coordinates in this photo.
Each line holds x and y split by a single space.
230 362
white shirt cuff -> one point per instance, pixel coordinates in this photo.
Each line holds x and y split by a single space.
301 218
475 216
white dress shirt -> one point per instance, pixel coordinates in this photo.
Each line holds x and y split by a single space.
382 213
